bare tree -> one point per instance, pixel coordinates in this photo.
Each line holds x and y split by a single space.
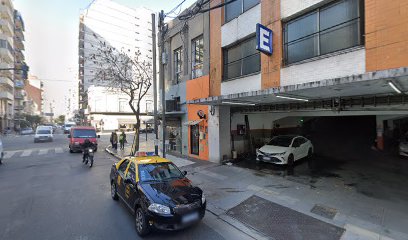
124 71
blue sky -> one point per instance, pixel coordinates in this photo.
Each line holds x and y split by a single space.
51 41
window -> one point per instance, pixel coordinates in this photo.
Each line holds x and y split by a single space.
122 105
236 8
241 59
122 167
84 133
131 174
328 29
159 172
178 65
197 47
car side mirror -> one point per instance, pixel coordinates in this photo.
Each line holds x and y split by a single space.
128 181
184 173
295 145
69 135
99 136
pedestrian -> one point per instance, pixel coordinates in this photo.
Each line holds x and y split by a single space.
122 140
114 140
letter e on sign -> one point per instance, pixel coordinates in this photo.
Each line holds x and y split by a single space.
263 39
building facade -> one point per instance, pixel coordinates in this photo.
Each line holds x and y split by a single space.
186 45
326 58
6 64
119 27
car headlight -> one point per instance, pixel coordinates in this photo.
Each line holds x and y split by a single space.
158 208
202 199
90 150
281 153
258 151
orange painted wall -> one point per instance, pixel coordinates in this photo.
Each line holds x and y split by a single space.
192 115
271 65
216 17
198 88
386 27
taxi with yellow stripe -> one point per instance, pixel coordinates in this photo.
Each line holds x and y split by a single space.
157 193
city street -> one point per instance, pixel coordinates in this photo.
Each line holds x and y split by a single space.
47 193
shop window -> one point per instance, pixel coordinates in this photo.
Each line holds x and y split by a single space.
197 54
241 59
236 8
178 65
334 27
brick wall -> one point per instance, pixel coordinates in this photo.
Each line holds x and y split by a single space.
271 65
386 34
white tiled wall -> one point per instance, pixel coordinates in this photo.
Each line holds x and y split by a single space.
241 26
342 65
290 7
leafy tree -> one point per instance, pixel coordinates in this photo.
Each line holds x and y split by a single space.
124 71
60 119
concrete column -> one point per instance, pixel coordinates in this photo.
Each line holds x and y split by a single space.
219 137
380 132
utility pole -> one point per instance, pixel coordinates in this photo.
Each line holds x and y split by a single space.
156 139
161 70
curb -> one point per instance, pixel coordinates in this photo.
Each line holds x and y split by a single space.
112 153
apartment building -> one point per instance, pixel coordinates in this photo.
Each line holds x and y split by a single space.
283 66
20 72
6 64
121 28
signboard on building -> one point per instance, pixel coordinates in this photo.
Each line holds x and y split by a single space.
263 39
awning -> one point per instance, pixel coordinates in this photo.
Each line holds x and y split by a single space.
193 122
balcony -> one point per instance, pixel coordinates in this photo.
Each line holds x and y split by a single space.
6 12
6 73
19 84
6 26
6 95
19 57
18 95
6 81
18 44
6 52
19 34
19 107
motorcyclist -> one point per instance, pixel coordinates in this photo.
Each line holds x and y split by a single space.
86 144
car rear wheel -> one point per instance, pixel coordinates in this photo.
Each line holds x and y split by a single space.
291 160
114 193
142 227
309 154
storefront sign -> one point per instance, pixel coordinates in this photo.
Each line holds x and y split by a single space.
263 39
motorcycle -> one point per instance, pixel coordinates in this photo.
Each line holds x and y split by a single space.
89 156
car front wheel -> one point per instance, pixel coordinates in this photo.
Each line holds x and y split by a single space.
142 227
291 160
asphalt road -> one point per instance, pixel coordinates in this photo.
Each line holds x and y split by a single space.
47 193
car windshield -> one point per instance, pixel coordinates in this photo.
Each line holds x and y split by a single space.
84 133
43 131
281 141
69 125
158 172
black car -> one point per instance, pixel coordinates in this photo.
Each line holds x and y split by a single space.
157 193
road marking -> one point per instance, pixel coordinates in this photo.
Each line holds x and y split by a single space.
43 151
9 154
59 150
26 153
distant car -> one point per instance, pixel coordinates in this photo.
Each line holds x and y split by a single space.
157 193
285 149
67 126
78 135
43 135
26 131
403 146
1 151
46 127
143 130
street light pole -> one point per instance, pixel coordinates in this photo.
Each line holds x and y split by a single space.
161 70
156 140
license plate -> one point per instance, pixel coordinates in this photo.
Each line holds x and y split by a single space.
191 217
266 158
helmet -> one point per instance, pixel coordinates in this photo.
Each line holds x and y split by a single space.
87 141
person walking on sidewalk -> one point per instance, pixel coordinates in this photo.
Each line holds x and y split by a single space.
122 140
114 140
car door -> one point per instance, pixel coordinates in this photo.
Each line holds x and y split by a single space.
303 147
120 179
296 149
130 186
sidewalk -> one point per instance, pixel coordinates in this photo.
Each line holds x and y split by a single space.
229 189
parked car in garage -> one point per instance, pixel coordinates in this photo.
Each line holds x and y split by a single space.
285 149
26 131
157 193
403 146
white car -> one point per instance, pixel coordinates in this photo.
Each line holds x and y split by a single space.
285 149
1 151
46 127
43 135
403 146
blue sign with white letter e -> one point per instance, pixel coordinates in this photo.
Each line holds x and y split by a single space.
263 39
